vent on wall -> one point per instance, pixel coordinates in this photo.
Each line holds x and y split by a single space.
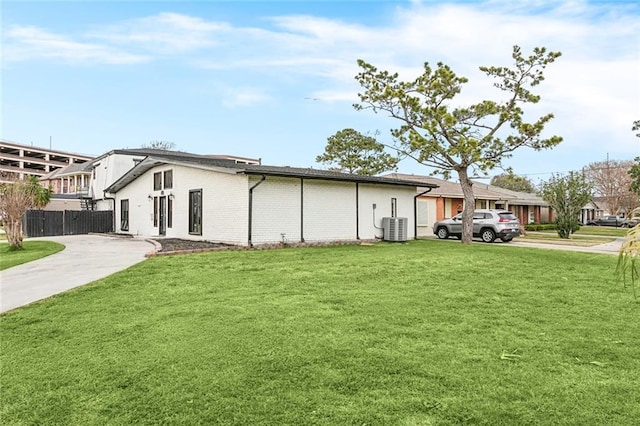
394 228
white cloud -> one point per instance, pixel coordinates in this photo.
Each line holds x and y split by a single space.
233 97
165 33
28 42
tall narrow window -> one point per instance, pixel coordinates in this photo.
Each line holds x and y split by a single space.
168 179
124 215
394 207
170 212
157 181
155 212
423 212
195 211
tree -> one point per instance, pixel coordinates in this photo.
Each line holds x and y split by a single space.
634 171
567 195
352 152
15 199
455 139
513 182
164 145
611 181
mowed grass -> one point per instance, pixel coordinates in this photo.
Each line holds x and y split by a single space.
575 240
429 332
608 231
32 250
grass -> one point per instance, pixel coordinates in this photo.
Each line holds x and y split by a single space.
575 240
32 250
430 332
607 231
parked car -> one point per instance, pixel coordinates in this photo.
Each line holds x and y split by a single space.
607 220
631 222
487 224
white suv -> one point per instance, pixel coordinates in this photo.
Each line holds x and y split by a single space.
487 224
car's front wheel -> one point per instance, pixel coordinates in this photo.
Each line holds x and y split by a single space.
442 233
487 235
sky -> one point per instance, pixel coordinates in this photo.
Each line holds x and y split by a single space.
273 80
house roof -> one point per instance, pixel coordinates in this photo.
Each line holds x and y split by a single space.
231 166
481 191
71 169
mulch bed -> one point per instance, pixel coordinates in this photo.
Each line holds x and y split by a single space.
180 245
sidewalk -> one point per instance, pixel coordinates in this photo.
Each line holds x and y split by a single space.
86 258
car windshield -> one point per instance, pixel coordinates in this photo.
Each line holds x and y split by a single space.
507 215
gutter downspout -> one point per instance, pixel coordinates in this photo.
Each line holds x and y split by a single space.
262 179
415 212
357 210
302 210
113 219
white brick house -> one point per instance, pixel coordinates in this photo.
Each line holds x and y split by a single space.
246 204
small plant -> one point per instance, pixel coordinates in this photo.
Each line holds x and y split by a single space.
628 267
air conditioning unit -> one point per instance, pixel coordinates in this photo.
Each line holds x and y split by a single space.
395 228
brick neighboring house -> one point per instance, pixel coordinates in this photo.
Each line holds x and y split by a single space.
447 200
205 198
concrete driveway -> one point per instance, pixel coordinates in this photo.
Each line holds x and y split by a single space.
86 258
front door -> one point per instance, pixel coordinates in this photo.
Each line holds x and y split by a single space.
162 225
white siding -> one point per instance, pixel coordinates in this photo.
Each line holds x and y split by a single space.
329 213
276 210
329 210
284 209
381 196
110 169
224 204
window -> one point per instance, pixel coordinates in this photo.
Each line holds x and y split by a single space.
394 207
169 212
195 211
423 212
155 212
157 181
168 179
124 215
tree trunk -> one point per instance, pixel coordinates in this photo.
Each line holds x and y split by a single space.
13 231
469 206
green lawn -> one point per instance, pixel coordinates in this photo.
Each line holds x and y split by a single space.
32 250
575 240
431 332
608 231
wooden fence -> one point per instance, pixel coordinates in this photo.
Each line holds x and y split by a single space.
46 223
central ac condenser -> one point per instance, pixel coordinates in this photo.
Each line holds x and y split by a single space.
394 228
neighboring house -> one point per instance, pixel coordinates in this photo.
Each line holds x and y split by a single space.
529 208
70 187
205 198
590 211
447 200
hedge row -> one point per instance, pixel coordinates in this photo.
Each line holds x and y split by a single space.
541 227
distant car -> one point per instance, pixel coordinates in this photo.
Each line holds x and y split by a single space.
631 222
607 220
487 224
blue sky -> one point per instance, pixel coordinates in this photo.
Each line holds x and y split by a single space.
273 80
